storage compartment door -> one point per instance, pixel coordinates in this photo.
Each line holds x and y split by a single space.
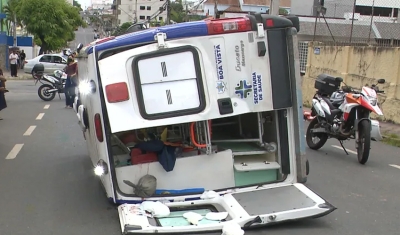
169 83
284 203
247 209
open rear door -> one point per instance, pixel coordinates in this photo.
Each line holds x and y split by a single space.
249 208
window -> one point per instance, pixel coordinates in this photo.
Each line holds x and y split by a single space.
378 11
142 8
57 59
149 8
160 18
148 17
141 17
45 58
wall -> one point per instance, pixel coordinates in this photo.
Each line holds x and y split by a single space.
209 8
337 8
358 66
254 8
303 7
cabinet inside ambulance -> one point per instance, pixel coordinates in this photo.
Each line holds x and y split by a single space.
190 158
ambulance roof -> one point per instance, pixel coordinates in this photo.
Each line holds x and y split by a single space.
181 30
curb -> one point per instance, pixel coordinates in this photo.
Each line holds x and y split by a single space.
19 78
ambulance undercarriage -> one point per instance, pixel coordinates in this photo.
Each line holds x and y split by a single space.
227 109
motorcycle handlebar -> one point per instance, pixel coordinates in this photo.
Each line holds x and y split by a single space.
349 89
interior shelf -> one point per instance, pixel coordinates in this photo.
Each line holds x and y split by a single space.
240 149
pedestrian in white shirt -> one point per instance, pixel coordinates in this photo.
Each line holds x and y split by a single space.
13 64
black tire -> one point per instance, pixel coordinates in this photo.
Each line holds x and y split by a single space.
364 135
323 137
44 95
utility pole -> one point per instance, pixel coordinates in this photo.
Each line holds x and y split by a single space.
215 9
274 7
352 20
15 30
168 12
186 12
136 18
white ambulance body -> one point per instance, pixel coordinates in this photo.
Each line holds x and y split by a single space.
230 90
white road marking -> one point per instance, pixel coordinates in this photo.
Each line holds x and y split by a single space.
29 131
14 151
40 116
47 106
395 166
348 150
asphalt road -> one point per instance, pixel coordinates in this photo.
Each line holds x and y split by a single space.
48 187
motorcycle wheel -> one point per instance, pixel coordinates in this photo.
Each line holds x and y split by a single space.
364 145
323 137
44 94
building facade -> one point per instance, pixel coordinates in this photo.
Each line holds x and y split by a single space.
139 10
232 6
383 10
304 7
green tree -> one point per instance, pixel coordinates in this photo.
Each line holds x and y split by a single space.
177 12
122 29
125 26
52 22
12 19
283 11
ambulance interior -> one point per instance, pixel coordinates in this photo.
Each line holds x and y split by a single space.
216 154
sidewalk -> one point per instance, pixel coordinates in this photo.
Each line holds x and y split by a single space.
20 73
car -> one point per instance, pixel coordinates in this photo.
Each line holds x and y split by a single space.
51 63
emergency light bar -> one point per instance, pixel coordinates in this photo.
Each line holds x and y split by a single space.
104 40
228 25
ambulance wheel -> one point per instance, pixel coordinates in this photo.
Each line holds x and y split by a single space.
44 94
307 167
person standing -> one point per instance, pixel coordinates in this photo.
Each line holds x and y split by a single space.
70 84
22 59
3 103
13 64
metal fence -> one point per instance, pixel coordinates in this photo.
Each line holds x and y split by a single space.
351 22
303 52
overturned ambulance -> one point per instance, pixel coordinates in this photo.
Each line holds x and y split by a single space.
198 125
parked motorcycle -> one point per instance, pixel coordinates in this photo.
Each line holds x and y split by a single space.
51 83
343 114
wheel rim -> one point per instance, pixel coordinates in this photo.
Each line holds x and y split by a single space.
45 92
314 137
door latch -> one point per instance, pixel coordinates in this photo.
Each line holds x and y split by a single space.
160 38
260 30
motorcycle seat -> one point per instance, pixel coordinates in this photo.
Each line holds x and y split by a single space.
334 112
327 100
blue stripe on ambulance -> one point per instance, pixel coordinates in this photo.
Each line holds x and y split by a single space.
174 31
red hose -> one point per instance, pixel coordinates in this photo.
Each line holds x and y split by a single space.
192 136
